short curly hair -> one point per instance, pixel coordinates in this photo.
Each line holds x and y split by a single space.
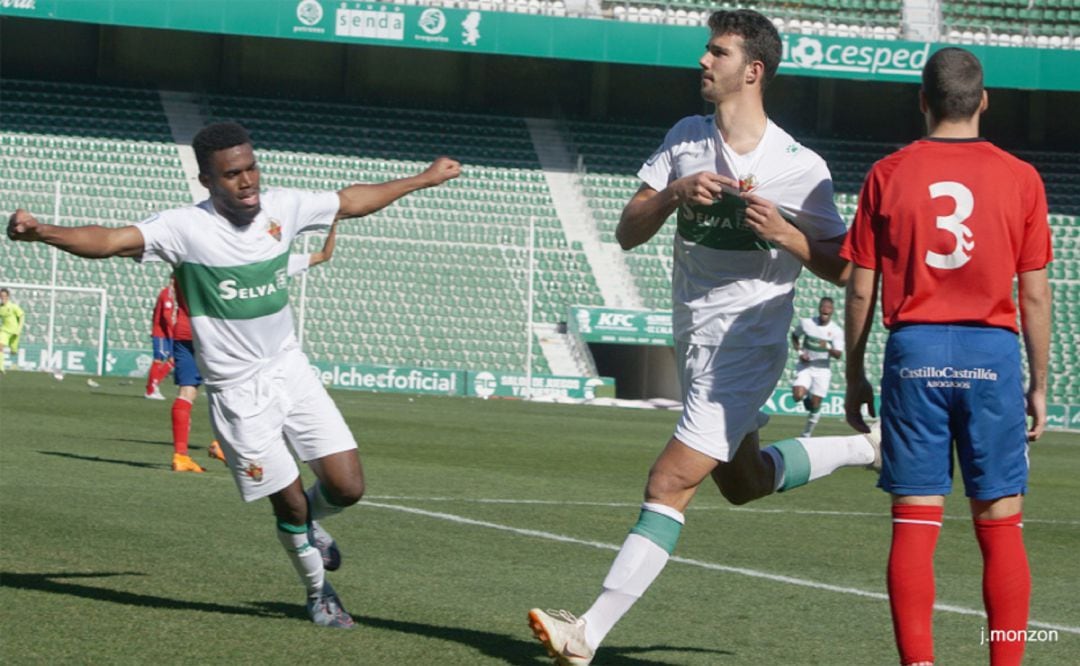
215 137
761 41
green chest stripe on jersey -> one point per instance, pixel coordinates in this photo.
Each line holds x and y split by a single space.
235 292
720 226
815 344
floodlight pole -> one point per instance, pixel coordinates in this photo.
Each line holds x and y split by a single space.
530 268
52 281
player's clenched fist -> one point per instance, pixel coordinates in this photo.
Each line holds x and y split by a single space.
702 188
442 170
22 226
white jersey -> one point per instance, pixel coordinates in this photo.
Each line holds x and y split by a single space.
298 264
234 279
727 284
816 340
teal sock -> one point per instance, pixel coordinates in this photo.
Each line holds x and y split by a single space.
796 463
659 524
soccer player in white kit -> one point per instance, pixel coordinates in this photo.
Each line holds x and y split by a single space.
753 207
817 341
230 255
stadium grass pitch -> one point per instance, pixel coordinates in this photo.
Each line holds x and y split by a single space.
475 512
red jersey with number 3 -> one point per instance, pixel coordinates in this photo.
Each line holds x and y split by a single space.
949 224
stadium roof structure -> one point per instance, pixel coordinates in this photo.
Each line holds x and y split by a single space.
503 33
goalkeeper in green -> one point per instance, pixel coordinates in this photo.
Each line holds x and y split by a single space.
11 323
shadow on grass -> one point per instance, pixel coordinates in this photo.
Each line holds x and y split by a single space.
61 583
524 652
111 461
155 442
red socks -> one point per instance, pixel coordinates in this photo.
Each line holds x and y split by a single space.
181 425
1006 583
158 371
1006 586
911 579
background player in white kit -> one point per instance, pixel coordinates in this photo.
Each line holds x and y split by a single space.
817 341
230 255
753 207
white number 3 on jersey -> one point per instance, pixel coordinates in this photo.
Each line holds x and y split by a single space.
954 224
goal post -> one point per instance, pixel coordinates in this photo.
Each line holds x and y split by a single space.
63 328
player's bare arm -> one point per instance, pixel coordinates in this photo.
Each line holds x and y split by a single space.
363 199
1035 307
327 250
822 257
858 319
648 209
91 241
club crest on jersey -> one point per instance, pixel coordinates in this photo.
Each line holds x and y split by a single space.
747 183
254 471
274 229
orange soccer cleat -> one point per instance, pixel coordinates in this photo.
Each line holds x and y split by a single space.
215 452
182 463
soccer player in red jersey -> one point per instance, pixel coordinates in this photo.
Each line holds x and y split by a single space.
948 222
161 336
173 341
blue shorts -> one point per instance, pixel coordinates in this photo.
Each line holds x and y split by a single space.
943 384
186 373
163 348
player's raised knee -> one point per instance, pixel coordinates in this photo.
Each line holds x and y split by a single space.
346 493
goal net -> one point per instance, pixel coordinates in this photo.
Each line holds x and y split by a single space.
63 328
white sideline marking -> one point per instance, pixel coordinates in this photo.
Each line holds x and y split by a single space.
752 573
635 505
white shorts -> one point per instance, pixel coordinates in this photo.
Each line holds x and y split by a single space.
284 403
815 380
723 391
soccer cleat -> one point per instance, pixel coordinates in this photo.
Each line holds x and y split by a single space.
874 437
328 548
325 609
155 395
182 463
215 452
563 636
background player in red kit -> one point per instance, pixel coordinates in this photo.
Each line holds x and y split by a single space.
173 342
161 337
949 222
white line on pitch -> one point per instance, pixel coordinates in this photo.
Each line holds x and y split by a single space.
634 505
753 573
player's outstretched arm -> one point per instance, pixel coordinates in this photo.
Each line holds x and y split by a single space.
858 318
648 209
362 199
91 241
1035 308
327 250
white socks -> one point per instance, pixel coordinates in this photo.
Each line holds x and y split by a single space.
305 558
827 454
639 562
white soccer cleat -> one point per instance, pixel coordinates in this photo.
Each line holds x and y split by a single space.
563 635
874 437
155 395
